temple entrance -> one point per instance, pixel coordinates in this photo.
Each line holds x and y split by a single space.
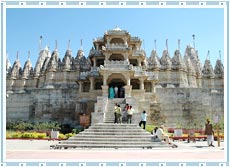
117 86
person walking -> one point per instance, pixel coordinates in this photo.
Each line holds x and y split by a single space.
143 119
210 133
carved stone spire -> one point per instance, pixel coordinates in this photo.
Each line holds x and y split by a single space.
208 70
189 65
177 62
165 61
192 54
179 44
28 68
153 61
67 60
16 69
219 69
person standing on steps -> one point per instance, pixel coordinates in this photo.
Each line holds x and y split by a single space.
115 113
210 133
130 113
118 113
143 119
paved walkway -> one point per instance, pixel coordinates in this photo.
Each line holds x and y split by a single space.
40 149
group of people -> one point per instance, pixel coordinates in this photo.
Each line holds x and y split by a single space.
159 135
127 112
158 132
115 92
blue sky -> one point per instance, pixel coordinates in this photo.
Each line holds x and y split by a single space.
25 26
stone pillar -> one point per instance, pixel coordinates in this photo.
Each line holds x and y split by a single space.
105 90
91 79
80 86
139 62
94 62
97 46
128 90
141 83
128 81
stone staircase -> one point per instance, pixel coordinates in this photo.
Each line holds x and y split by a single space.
109 114
110 135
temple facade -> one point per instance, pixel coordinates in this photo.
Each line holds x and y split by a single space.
173 90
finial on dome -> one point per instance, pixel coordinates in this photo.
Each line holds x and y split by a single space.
28 55
220 54
167 44
193 37
81 45
208 55
56 45
40 43
155 44
68 44
179 44
17 56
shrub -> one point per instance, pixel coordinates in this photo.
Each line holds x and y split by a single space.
62 136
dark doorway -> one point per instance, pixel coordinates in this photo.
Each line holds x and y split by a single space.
119 84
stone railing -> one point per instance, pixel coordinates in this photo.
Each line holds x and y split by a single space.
115 62
139 53
83 75
116 46
138 71
95 52
134 39
121 32
98 39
